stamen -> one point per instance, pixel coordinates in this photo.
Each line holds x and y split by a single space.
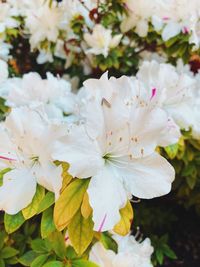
105 102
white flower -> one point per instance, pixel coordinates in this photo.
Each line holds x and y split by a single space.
116 147
195 119
101 40
149 56
44 22
3 71
25 148
168 17
130 253
195 32
7 20
140 14
45 55
75 8
54 93
173 91
179 18
4 50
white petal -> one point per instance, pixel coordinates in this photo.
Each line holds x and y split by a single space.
146 136
142 28
80 152
115 40
49 176
101 256
170 135
7 149
148 177
17 191
171 30
3 71
106 196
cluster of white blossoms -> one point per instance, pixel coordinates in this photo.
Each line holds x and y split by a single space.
7 22
170 17
109 132
131 253
105 141
48 25
176 91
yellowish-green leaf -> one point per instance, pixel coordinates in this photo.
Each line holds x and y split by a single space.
32 208
46 202
81 232
83 263
13 222
66 176
69 202
86 209
58 243
172 150
124 225
47 223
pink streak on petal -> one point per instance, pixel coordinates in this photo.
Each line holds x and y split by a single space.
5 158
185 30
153 93
166 18
102 223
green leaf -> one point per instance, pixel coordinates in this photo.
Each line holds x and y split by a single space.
81 232
2 237
58 243
108 242
66 176
46 202
124 225
32 208
13 222
86 209
4 171
11 261
47 223
27 258
169 252
39 261
159 256
71 253
2 263
172 41
54 264
8 252
191 181
83 263
39 245
69 202
172 150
